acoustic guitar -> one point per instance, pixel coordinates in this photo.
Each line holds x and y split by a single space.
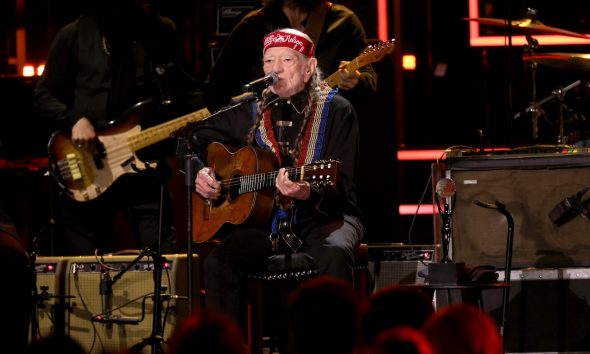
247 176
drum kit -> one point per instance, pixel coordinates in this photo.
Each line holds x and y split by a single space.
578 63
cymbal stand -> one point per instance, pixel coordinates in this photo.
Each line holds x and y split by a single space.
560 95
531 48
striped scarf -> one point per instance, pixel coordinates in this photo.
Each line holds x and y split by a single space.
312 141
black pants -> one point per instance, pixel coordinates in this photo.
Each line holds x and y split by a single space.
246 250
136 197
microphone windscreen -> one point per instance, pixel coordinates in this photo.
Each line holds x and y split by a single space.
445 188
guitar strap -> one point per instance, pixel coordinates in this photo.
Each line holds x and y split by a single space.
311 148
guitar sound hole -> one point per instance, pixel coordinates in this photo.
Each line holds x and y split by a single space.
233 190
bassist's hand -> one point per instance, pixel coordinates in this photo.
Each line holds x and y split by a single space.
297 190
206 184
83 133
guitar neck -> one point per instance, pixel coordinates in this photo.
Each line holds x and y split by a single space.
163 131
258 181
371 54
334 79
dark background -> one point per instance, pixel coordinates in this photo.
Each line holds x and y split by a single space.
471 103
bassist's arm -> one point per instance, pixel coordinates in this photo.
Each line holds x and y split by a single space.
54 92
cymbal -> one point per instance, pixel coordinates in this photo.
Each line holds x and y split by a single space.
526 24
567 61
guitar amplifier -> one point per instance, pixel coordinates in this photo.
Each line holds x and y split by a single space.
49 310
530 185
229 13
545 310
132 300
398 264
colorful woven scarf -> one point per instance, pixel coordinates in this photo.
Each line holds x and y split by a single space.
312 141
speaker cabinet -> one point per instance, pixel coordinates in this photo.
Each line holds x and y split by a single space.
230 12
398 264
530 186
49 311
548 310
131 300
395 272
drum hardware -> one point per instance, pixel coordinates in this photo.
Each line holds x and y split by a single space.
558 94
568 61
530 25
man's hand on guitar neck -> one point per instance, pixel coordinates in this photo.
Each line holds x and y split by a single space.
297 190
207 185
348 79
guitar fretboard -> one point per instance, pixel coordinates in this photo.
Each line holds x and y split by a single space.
321 172
163 131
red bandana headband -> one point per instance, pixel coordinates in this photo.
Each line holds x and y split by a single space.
289 40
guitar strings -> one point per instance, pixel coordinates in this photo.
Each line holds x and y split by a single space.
230 182
117 154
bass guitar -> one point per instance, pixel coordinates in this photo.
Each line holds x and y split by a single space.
85 174
247 176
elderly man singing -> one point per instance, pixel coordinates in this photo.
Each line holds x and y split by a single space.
297 122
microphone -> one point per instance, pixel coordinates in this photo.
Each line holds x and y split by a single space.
115 319
568 208
262 83
445 188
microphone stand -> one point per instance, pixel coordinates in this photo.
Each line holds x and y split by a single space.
508 261
446 213
38 299
191 161
446 271
156 337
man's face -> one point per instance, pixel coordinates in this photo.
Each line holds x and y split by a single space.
292 69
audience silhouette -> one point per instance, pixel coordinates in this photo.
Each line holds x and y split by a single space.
17 278
207 332
463 328
322 316
392 306
400 340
